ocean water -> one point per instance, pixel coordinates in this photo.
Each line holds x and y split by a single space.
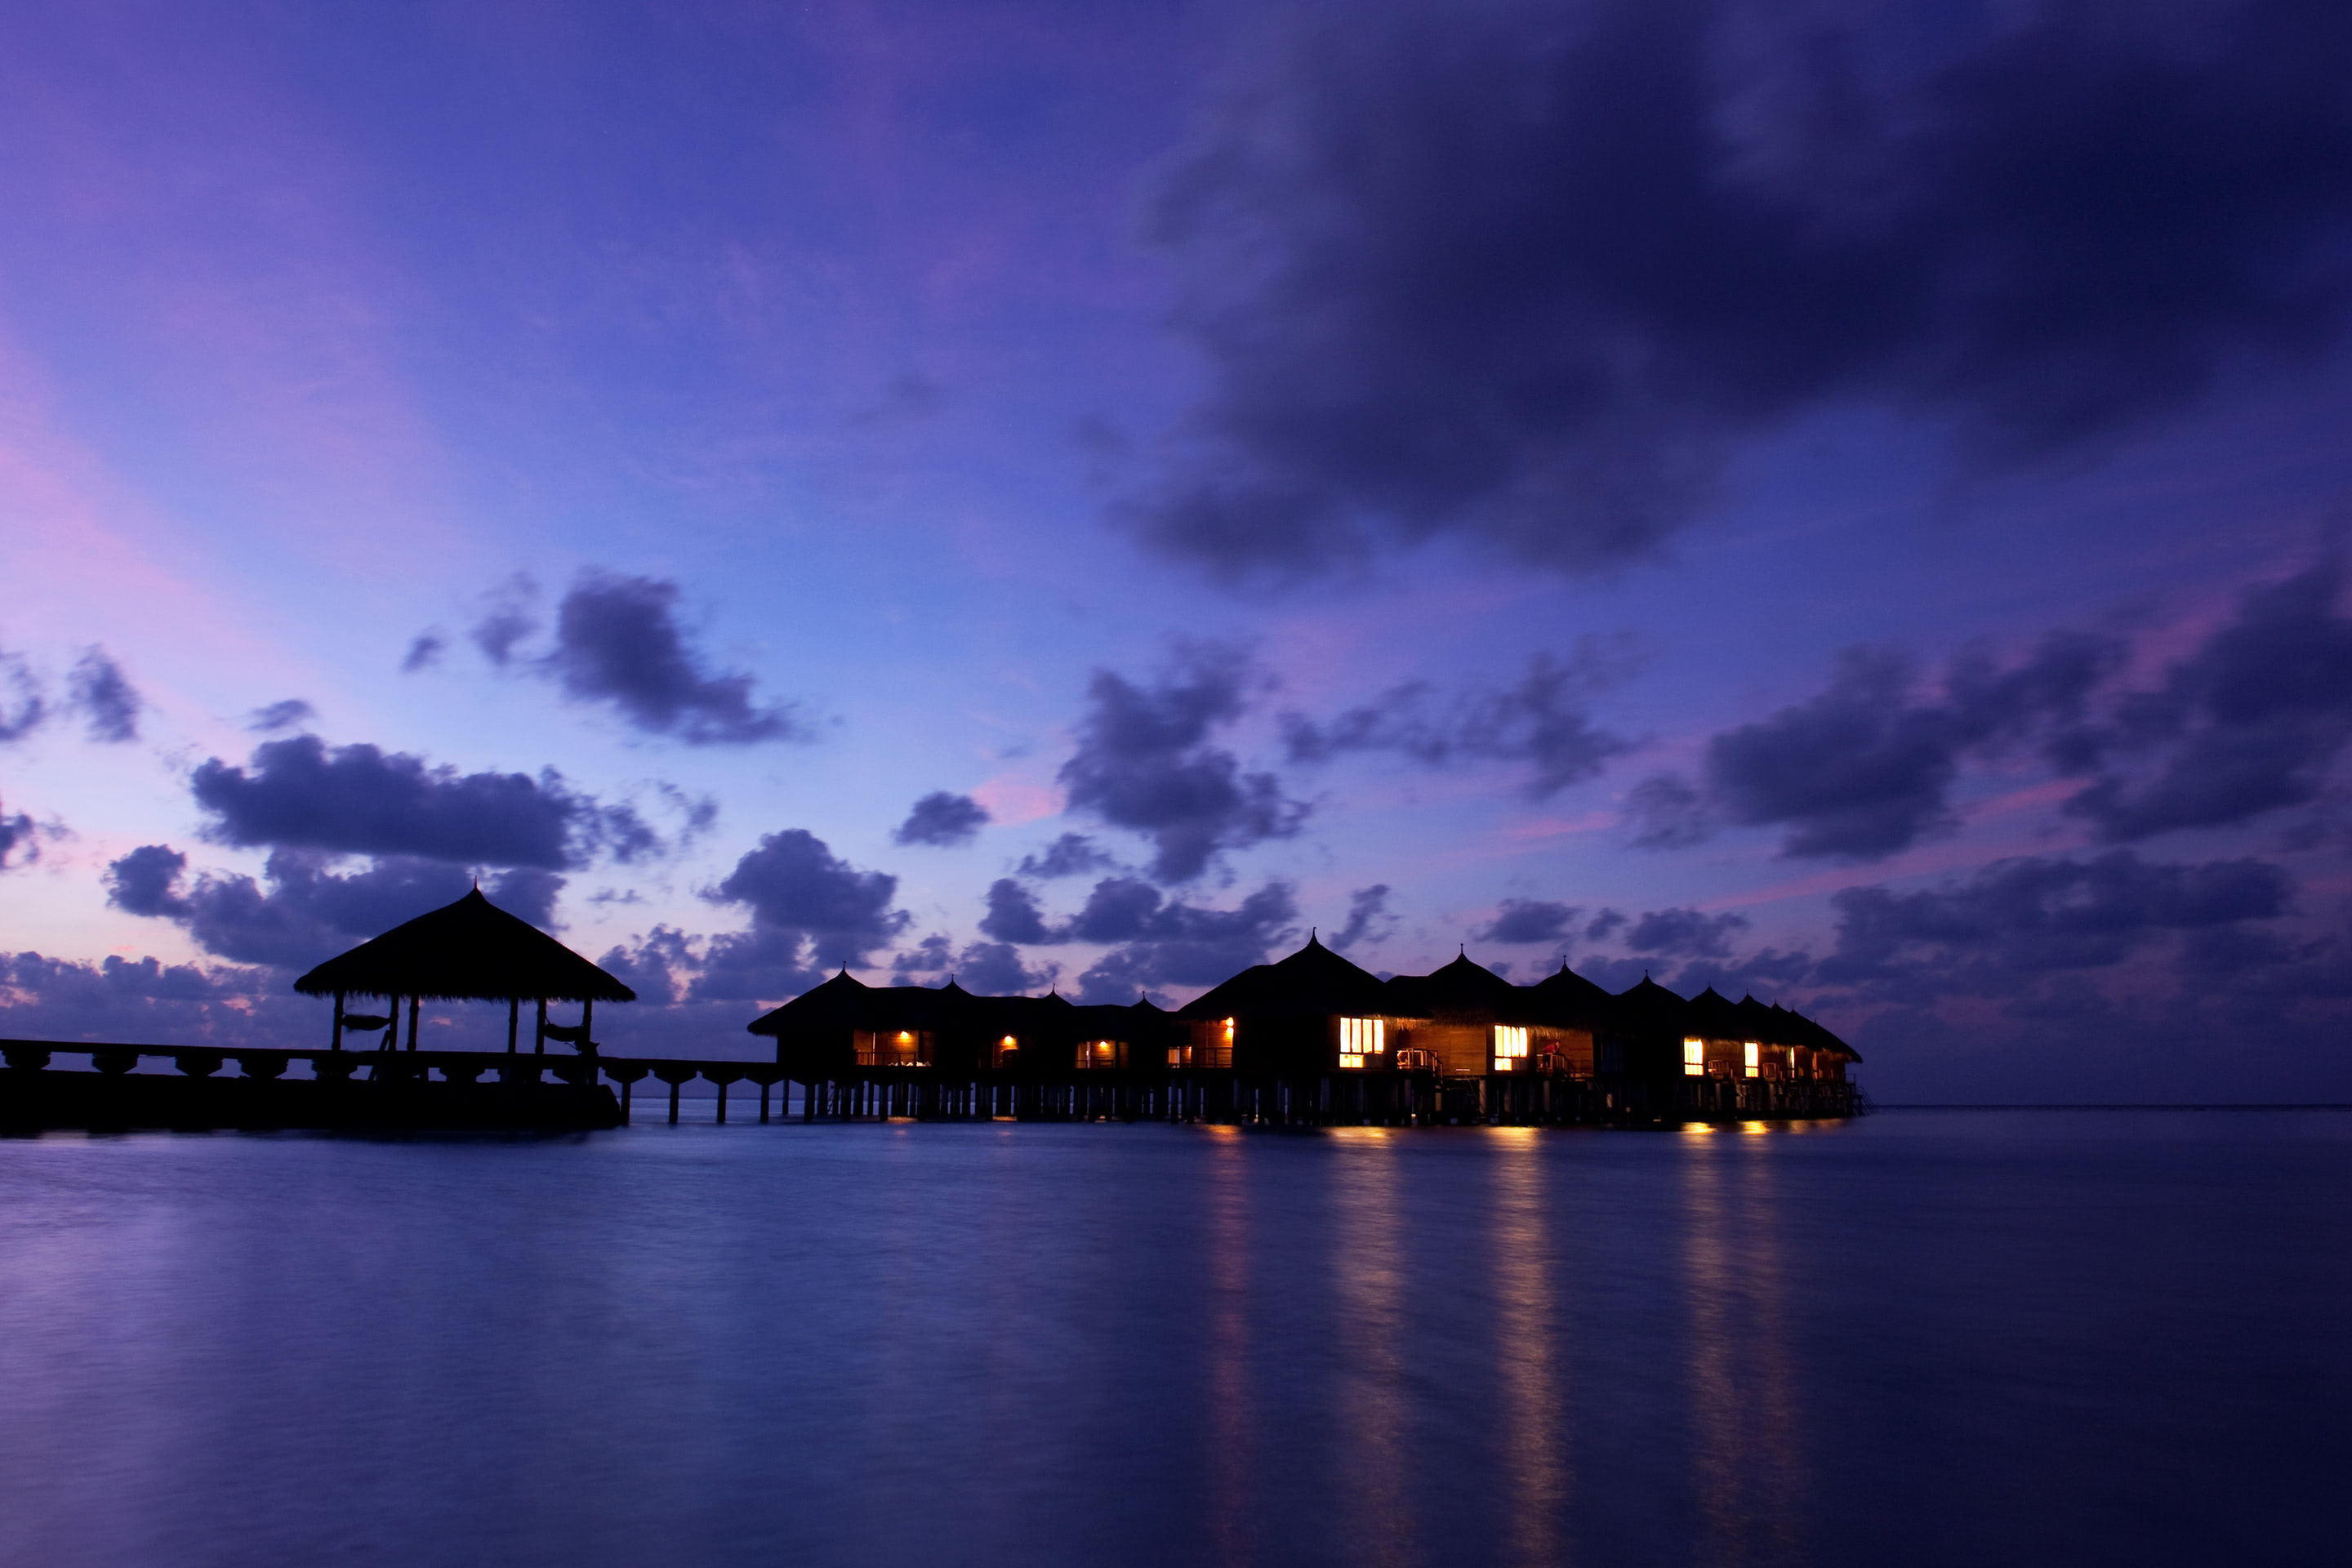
1927 1337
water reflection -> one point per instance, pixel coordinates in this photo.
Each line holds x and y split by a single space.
1749 1459
1533 1358
1369 1334
1232 1452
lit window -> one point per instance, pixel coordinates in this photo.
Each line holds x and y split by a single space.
1176 1055
1754 1057
1363 1036
1694 1058
1351 1058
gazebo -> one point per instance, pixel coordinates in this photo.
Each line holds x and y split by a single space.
471 950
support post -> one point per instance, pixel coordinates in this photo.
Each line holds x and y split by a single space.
538 1039
587 1018
514 1020
412 1002
339 1021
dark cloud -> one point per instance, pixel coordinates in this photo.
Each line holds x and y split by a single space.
302 913
104 697
1683 933
360 800
1525 923
2018 919
1368 920
285 715
989 968
425 651
147 881
796 887
21 711
1543 720
618 642
2248 723
1172 942
1071 855
511 617
942 819
1865 768
1668 813
20 844
1604 925
1144 762
1524 273
1013 914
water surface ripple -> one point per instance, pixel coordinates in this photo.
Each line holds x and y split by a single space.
1925 1338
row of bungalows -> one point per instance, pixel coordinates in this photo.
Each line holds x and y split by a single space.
1561 1049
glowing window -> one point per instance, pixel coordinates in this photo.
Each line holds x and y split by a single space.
1694 1058
1351 1058
1362 1037
1754 1057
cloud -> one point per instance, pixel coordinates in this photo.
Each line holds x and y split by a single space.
989 968
1543 720
285 715
2248 723
1528 922
1865 768
360 800
942 819
797 888
104 697
2016 920
511 617
1368 920
1144 762
1168 942
618 642
1013 914
19 842
1071 855
1525 274
23 710
425 651
307 913
1684 933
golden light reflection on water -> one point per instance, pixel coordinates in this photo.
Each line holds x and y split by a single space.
1533 1361
1752 1471
1231 1456
1366 1242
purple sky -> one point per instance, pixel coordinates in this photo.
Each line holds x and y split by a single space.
1834 501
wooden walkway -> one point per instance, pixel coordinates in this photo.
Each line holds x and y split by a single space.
1332 1099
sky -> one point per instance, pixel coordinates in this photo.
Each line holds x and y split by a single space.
1844 503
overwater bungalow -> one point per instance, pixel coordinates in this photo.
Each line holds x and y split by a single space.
1316 1030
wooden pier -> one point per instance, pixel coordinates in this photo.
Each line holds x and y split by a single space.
513 1090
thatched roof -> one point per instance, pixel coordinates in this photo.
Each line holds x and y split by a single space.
1311 982
1462 989
1567 998
468 951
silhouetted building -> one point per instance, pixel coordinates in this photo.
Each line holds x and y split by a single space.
470 951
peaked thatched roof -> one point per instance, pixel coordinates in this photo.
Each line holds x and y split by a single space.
1312 980
468 951
1567 998
1463 988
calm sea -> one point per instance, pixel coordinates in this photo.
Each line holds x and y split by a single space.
1928 1337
